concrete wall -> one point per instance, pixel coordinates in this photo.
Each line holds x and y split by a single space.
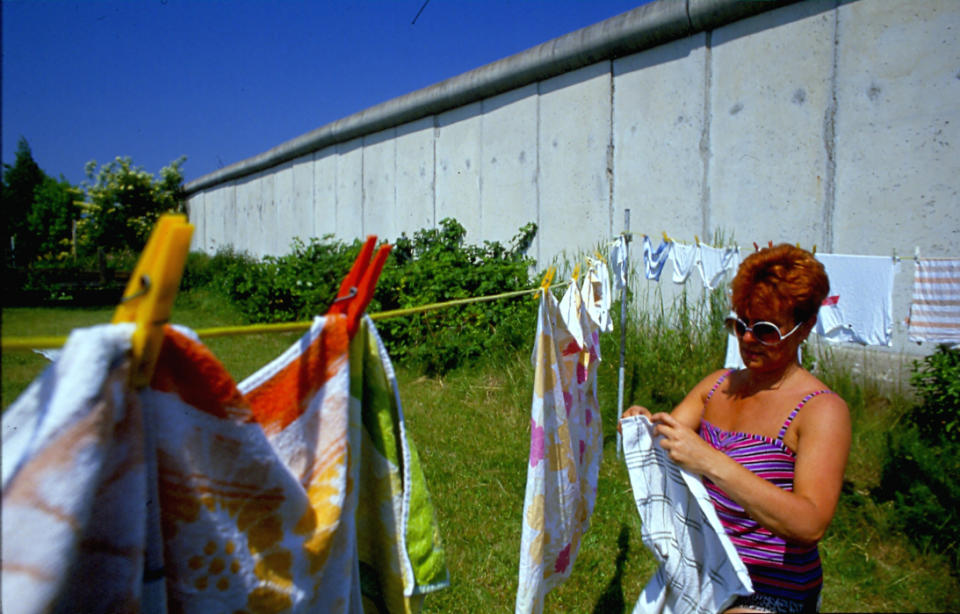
818 123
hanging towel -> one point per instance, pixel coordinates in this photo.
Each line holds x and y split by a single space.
74 483
596 294
935 311
240 498
684 259
257 485
714 262
619 261
700 570
565 450
400 551
654 260
859 307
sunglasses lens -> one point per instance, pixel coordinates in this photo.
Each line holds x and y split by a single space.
766 332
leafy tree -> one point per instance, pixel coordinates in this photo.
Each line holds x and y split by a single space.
124 202
19 182
50 220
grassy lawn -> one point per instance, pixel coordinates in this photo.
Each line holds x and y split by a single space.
472 431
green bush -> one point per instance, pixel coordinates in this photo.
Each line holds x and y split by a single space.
922 465
921 479
937 381
435 265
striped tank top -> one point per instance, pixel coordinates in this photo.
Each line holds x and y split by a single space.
777 567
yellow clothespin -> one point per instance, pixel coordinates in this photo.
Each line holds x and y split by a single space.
814 248
148 299
576 273
697 240
666 239
600 257
546 281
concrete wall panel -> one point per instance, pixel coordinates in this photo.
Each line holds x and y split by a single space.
232 210
350 191
898 127
196 215
660 156
301 215
508 168
573 141
379 184
770 88
416 166
458 168
214 205
325 192
266 213
284 207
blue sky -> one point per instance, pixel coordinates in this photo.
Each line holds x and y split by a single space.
220 81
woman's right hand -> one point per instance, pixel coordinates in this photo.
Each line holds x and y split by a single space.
634 410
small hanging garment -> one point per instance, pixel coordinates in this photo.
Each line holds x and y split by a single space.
935 311
859 307
684 259
700 571
596 294
653 261
619 263
714 262
565 449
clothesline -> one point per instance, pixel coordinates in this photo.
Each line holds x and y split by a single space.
47 342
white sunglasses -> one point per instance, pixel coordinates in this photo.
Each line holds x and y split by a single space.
765 332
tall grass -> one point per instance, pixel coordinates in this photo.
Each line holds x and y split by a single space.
472 430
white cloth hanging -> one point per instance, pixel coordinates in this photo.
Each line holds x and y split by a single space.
619 263
596 294
859 307
684 258
700 571
715 262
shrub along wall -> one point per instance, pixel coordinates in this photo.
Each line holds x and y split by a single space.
434 265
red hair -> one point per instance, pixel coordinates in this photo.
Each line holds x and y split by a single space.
783 280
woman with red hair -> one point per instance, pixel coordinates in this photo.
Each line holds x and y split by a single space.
770 440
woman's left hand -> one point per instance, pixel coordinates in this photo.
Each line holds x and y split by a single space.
683 445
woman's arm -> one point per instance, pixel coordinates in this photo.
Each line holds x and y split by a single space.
823 431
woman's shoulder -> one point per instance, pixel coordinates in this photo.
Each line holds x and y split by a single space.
819 403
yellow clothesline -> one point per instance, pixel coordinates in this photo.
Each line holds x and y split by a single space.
38 343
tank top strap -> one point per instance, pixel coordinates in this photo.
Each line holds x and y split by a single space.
793 414
717 385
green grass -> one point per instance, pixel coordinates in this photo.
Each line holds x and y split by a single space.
472 430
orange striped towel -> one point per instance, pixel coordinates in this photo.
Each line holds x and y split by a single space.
935 311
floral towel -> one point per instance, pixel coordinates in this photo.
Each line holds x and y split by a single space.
195 494
565 448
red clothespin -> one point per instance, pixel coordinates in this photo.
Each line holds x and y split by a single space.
348 287
756 247
769 243
356 290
